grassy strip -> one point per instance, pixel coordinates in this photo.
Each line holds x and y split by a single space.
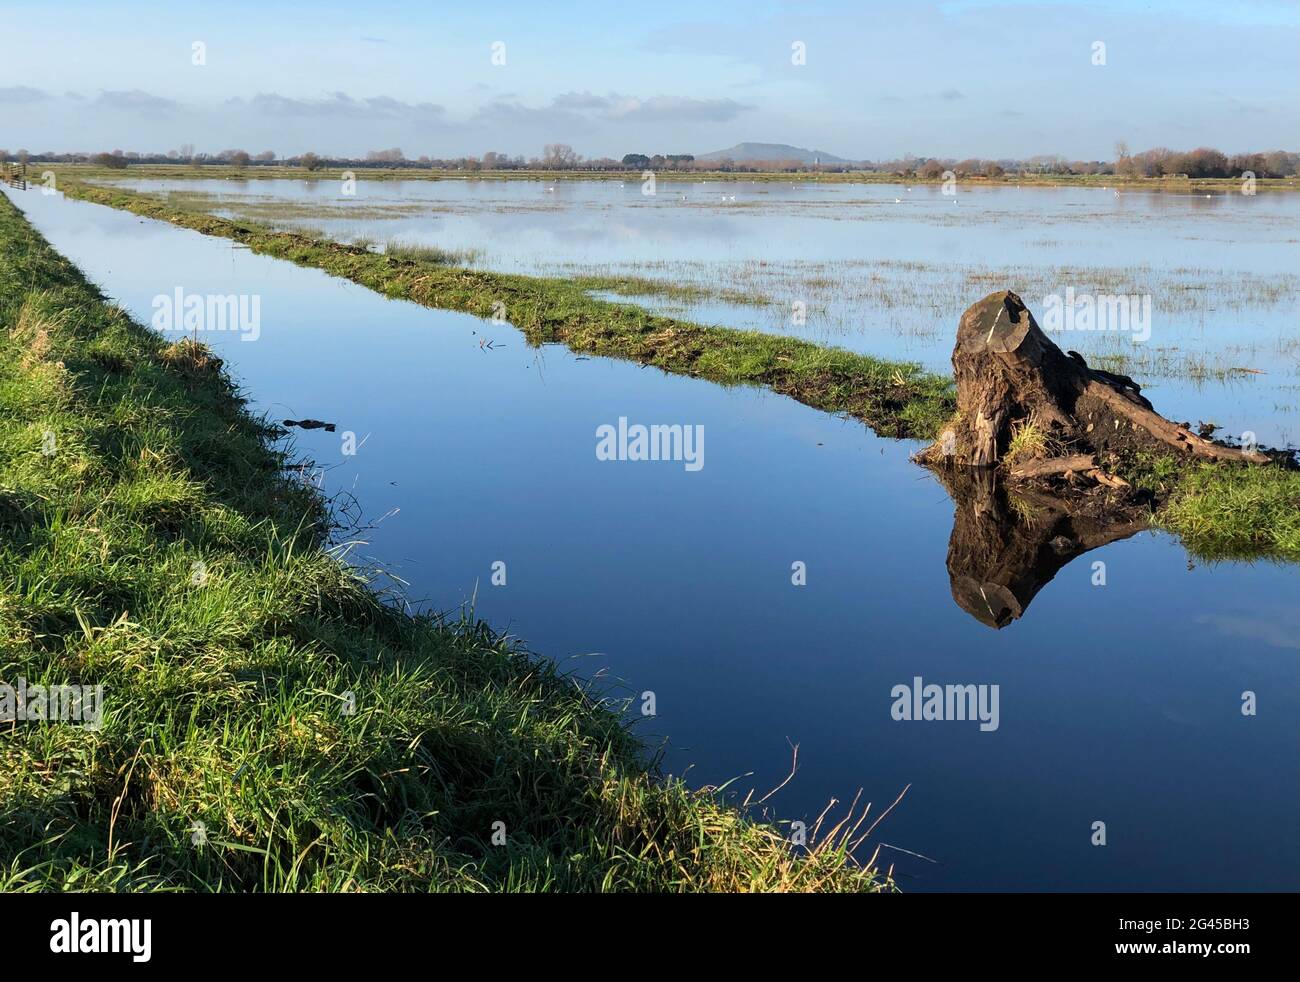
152 543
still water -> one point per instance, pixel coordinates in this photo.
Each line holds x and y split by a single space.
1118 703
885 269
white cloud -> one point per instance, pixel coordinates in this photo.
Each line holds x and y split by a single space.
573 107
340 105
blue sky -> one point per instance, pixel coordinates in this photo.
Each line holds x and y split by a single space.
961 78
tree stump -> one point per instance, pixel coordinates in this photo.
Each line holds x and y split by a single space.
1009 373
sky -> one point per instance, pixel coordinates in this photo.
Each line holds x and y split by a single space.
876 80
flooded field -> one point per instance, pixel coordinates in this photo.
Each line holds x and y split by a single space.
780 594
881 269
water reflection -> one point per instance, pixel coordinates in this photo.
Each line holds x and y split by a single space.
1009 543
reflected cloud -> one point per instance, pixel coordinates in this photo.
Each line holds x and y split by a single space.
1284 632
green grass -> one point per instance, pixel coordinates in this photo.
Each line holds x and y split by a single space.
411 252
1223 511
1236 513
1029 441
893 398
124 465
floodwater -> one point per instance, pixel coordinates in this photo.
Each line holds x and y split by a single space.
1118 703
881 268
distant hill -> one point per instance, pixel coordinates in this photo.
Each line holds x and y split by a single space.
772 151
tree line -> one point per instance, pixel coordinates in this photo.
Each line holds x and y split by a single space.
1157 162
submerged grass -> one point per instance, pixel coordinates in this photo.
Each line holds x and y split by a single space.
675 291
893 398
270 723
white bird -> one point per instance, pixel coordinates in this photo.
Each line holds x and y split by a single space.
898 201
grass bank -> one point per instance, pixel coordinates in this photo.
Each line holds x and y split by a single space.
893 398
269 722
